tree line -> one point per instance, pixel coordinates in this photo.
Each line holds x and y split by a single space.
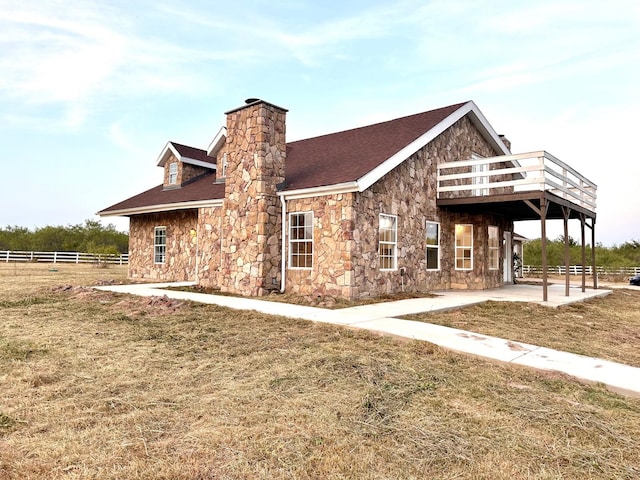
624 255
88 237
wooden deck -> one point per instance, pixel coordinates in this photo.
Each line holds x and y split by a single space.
526 186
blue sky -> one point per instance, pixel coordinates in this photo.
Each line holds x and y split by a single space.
90 92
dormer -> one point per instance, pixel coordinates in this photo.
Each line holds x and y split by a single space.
217 149
182 164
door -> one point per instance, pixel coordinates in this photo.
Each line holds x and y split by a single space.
508 258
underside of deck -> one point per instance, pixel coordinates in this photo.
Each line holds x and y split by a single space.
518 206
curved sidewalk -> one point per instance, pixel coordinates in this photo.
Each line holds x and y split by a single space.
380 318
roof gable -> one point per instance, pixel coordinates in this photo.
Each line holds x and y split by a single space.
362 156
186 154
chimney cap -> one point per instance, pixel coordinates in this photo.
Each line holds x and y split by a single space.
253 101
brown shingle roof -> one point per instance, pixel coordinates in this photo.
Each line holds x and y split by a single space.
347 156
203 188
315 162
194 153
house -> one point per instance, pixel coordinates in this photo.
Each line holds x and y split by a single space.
418 203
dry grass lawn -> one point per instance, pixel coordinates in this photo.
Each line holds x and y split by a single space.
607 327
96 385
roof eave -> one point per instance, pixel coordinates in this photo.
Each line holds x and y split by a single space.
217 142
164 154
165 207
324 190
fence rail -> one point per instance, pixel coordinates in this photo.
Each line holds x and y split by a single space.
577 270
63 257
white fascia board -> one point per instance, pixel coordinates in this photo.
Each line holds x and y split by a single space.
162 208
217 142
392 162
168 148
481 122
199 163
319 191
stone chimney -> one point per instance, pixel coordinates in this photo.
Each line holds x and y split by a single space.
251 226
506 142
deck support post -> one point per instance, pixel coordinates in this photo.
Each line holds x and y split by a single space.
567 253
584 253
593 253
543 246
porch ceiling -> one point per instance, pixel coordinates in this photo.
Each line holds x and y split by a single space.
515 206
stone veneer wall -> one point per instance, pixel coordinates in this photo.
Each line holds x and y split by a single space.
251 224
209 246
333 242
345 259
409 191
180 260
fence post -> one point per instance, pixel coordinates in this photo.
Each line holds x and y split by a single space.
55 257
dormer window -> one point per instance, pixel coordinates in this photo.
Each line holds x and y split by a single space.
173 173
221 173
224 166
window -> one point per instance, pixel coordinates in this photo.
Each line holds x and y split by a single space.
494 248
387 241
464 247
433 246
159 244
173 173
223 174
301 240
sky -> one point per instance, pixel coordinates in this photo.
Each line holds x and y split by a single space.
90 92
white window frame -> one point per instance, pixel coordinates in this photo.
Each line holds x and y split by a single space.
431 247
159 248
295 241
494 249
390 243
461 248
173 173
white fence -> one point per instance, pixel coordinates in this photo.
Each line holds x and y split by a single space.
577 270
63 257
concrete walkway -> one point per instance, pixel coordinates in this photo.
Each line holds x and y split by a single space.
380 317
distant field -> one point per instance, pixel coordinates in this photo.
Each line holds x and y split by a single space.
96 385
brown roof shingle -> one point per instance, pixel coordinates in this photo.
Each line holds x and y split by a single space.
203 188
193 153
315 162
347 156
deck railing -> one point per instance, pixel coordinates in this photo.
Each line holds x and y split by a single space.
534 171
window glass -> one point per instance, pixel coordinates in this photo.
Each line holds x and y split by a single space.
159 244
464 247
433 246
301 240
173 173
494 248
387 241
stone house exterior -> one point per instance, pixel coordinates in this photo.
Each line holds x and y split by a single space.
351 214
